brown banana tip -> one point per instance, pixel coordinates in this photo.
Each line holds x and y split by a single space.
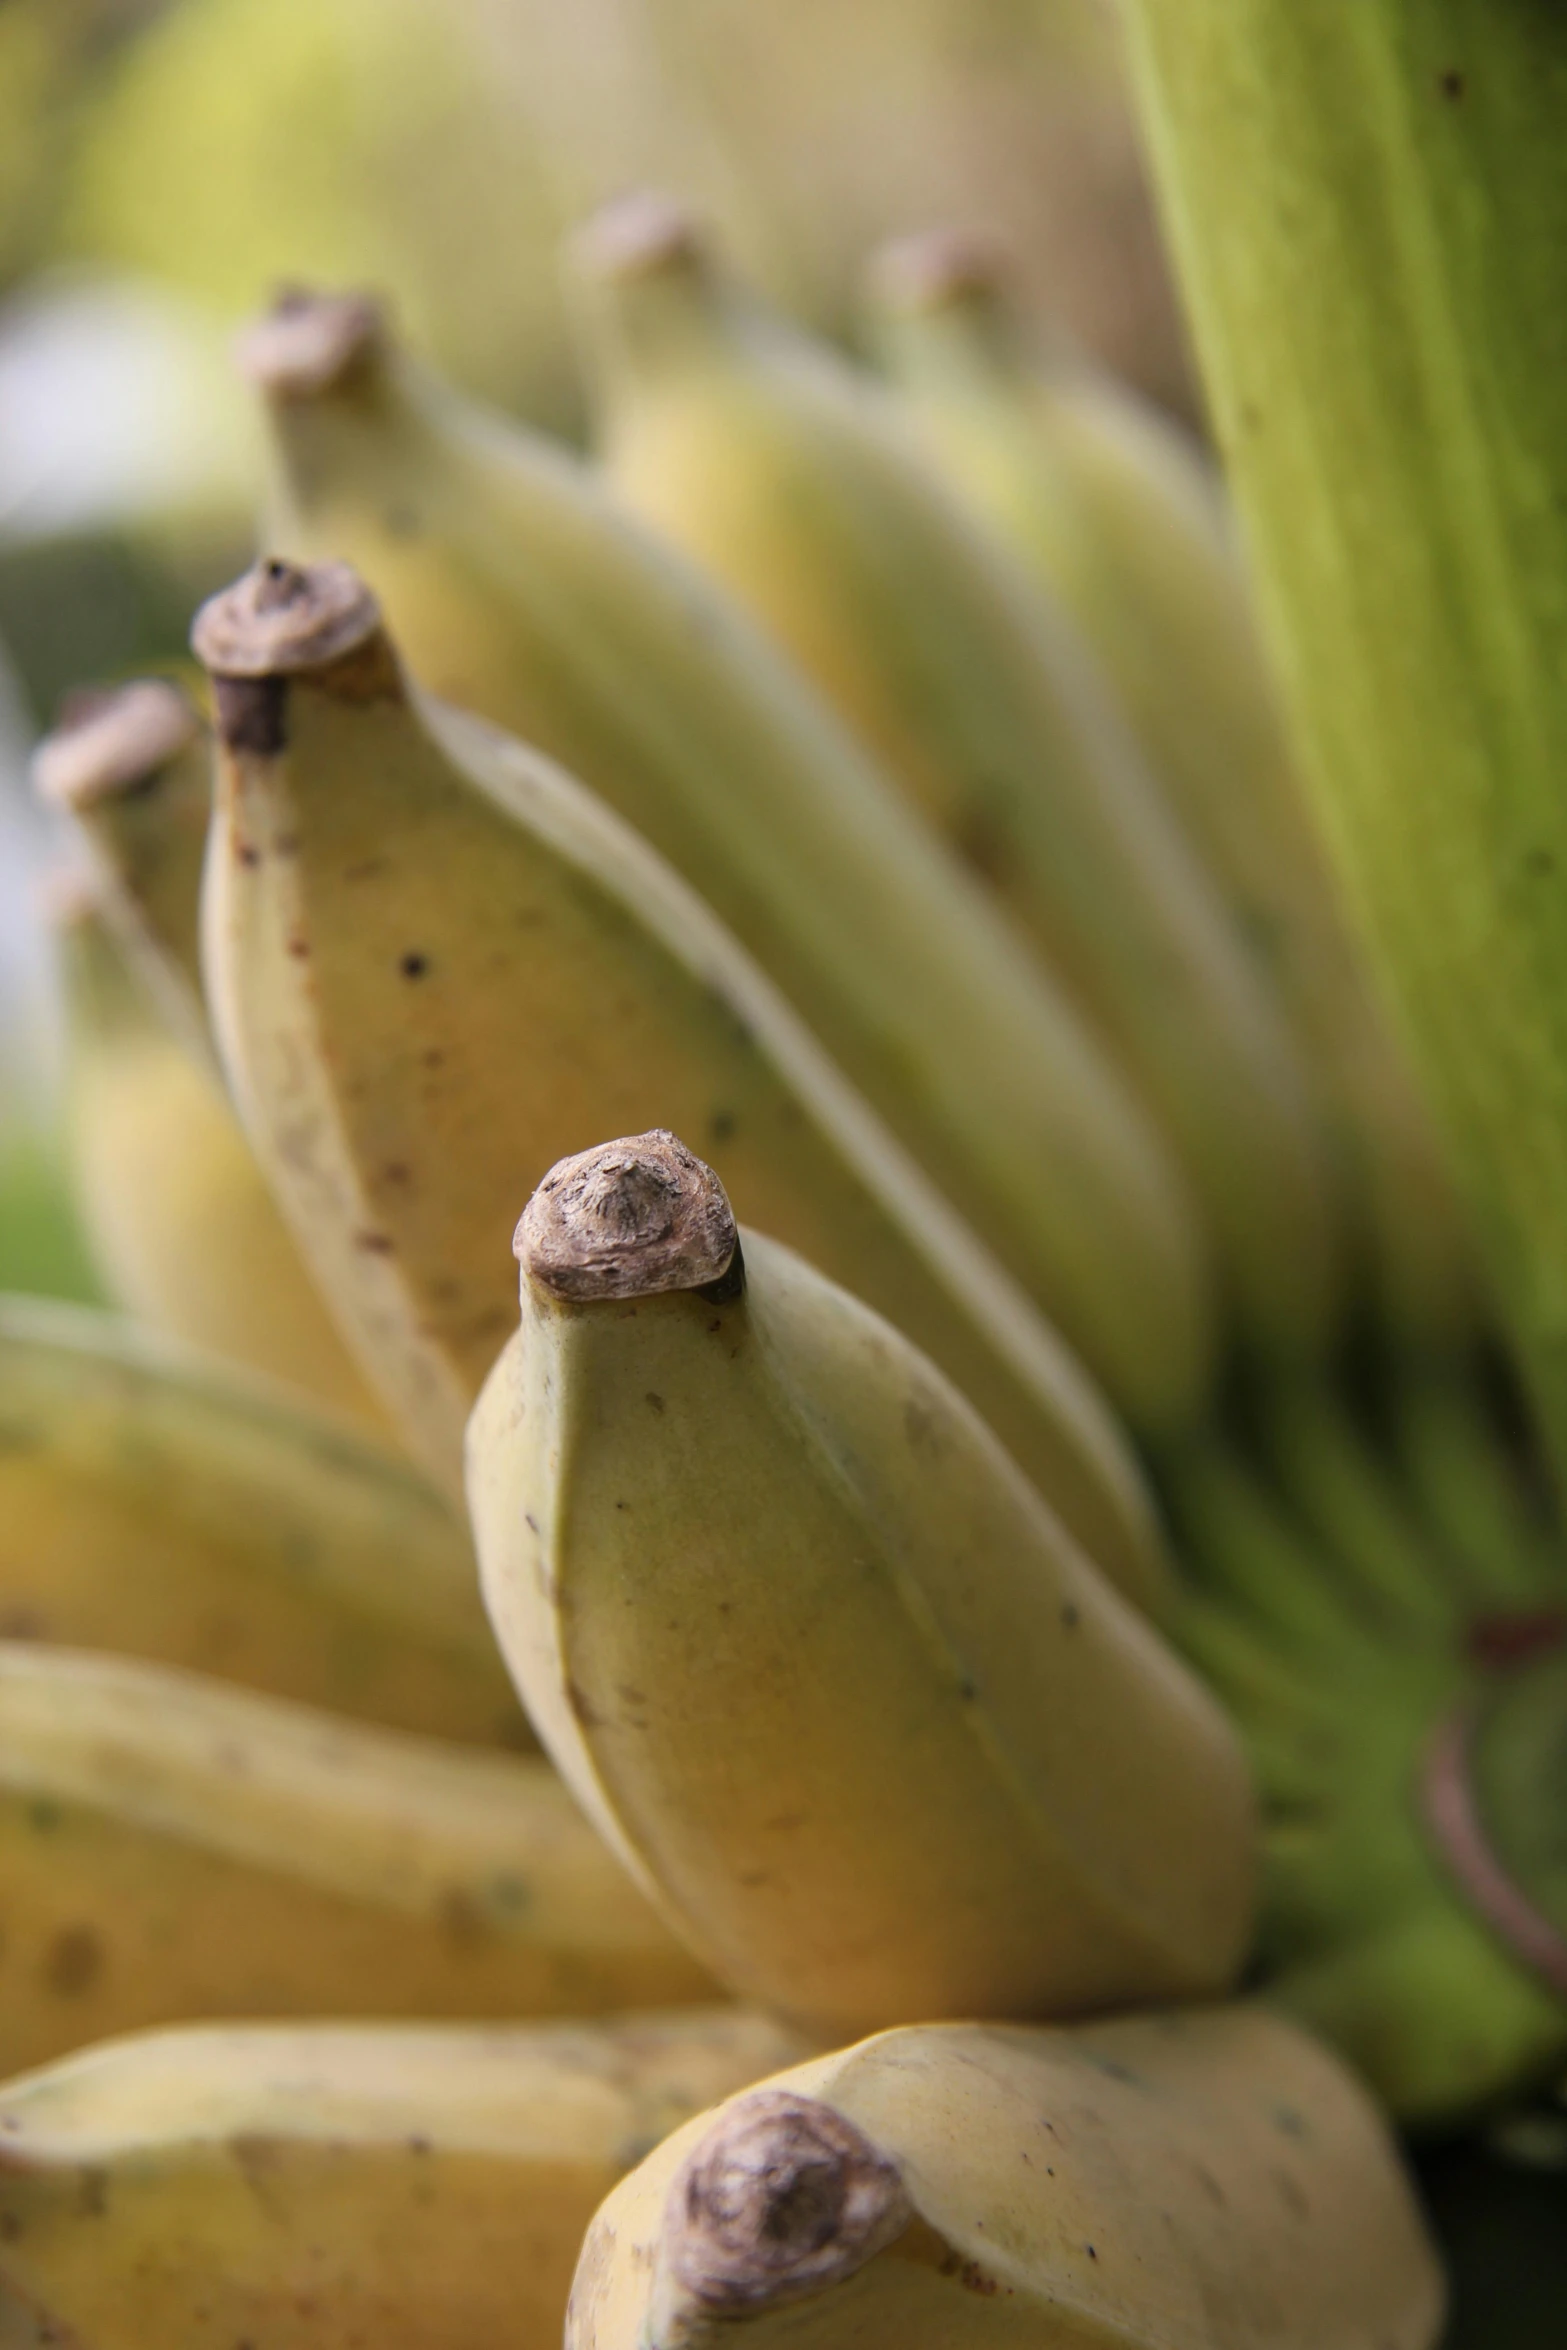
113 741
307 343
781 2198
632 1218
637 235
282 618
937 266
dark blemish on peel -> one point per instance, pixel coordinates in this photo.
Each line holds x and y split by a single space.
1071 1616
434 1056
530 1521
656 1401
299 947
376 1244
395 1171
73 1961
246 855
1538 863
252 713
413 965
1451 83
721 1125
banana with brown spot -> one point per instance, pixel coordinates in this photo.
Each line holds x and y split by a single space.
161 1505
317 2187
1212 2180
172 1848
810 1650
435 964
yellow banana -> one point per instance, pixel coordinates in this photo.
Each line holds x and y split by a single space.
172 1848
1210 2181
132 768
177 1213
318 2187
810 1652
514 587
435 963
1112 509
801 486
154 1504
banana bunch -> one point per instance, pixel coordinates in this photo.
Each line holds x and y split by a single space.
996 1504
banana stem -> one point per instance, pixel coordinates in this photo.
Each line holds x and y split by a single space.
1366 207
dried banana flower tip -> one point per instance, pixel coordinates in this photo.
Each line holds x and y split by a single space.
631 1218
309 343
781 2198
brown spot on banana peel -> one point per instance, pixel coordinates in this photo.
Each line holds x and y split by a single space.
628 1219
782 2197
283 621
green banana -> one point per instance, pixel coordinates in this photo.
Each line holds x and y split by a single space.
515 587
434 963
1113 510
1206 2181
1380 1706
317 2187
132 768
810 1652
173 1848
802 487
176 1211
157 1505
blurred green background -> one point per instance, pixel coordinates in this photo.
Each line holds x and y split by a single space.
164 164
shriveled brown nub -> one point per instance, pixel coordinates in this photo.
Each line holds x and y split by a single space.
638 234
781 2198
307 343
112 741
938 266
282 618
630 1219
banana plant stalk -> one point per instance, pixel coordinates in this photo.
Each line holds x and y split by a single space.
1366 204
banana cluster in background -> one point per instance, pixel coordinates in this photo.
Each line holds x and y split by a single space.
1001 1503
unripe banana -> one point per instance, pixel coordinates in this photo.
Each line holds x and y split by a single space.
516 588
435 964
312 2187
132 768
154 1504
1113 510
172 1848
810 1651
176 1211
801 486
1407 1737
1209 2181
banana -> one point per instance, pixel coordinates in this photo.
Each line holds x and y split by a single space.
801 486
1406 1737
312 2187
155 1504
516 588
435 964
1209 2181
132 768
177 1213
810 1652
1114 511
172 1848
